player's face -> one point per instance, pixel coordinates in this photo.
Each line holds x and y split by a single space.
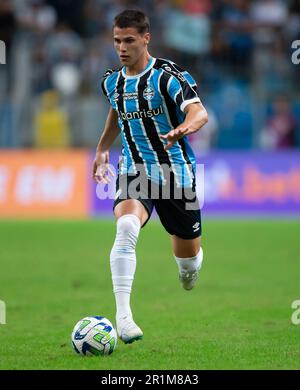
130 44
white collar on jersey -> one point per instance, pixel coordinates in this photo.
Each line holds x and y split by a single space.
148 67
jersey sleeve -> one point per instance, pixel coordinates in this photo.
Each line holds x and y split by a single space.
104 86
183 90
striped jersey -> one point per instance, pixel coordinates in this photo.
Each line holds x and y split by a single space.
149 104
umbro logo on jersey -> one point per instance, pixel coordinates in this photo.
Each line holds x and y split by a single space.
196 226
115 96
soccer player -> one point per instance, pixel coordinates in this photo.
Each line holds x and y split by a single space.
154 105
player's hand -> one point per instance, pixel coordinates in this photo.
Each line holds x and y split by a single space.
101 168
173 136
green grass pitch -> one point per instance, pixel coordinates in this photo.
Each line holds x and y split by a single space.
238 317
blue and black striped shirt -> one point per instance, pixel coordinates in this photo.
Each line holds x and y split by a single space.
149 104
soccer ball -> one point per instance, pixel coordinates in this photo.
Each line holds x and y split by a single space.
94 336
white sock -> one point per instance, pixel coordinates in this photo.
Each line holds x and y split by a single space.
123 262
190 264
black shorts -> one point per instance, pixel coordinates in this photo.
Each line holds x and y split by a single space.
178 209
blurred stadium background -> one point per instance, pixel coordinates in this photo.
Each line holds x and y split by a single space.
52 110
51 115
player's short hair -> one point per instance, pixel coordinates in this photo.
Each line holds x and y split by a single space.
132 18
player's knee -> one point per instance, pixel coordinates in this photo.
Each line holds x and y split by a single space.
128 228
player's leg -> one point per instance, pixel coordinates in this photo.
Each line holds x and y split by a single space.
130 215
185 248
182 220
132 206
189 256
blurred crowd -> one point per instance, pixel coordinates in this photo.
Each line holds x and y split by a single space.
239 52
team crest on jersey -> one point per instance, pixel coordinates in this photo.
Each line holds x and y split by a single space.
148 93
115 96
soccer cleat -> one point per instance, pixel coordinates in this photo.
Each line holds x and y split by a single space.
188 279
128 330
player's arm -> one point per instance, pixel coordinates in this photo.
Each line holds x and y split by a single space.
196 117
111 130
